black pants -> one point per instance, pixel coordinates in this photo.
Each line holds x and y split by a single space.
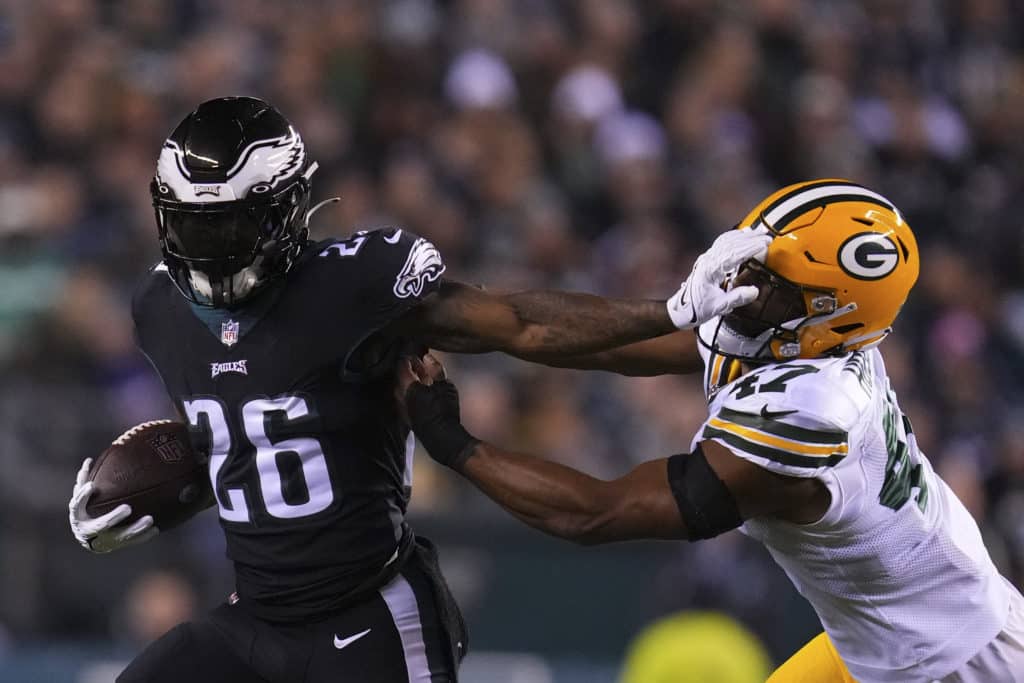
410 631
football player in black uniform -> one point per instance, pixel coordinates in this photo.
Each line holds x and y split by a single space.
280 355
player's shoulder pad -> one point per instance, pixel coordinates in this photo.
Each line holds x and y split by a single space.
793 418
409 265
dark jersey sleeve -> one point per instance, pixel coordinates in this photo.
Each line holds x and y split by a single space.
392 270
150 297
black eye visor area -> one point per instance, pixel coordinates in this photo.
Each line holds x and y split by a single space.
220 239
217 241
204 233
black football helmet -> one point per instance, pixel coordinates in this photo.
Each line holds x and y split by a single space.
231 195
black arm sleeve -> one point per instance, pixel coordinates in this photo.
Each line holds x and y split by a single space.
705 503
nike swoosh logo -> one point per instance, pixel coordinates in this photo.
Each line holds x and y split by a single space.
341 644
394 238
681 304
774 414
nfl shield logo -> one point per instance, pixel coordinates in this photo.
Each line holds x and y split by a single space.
229 333
168 448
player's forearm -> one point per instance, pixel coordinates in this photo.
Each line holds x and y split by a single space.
542 326
671 354
555 325
559 500
553 498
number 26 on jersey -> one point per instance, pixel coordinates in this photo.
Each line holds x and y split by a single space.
236 505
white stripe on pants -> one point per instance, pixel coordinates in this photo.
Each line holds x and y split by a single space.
401 603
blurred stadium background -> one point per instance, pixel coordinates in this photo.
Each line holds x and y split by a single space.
596 145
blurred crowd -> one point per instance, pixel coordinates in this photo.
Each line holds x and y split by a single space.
596 145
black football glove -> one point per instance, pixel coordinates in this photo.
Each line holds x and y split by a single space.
434 415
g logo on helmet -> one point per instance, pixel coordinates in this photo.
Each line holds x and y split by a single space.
868 256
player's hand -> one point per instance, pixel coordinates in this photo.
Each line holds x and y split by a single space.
104 533
432 403
702 296
415 367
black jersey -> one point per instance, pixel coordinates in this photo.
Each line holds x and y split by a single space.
310 462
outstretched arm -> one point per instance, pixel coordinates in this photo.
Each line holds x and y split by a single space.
692 496
572 505
689 496
566 329
670 354
534 325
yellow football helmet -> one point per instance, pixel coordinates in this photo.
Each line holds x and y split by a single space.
838 269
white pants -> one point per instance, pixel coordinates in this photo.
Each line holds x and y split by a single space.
1002 660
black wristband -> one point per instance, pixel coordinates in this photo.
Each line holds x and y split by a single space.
434 414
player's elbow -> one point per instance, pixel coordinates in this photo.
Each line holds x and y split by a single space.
531 333
528 340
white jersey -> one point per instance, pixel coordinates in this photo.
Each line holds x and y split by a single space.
896 568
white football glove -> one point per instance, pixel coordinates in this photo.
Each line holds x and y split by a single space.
702 297
102 534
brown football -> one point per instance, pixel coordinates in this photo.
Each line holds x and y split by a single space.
153 468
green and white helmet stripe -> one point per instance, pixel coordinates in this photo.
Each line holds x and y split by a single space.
779 214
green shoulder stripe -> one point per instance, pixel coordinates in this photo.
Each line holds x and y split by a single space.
772 426
776 454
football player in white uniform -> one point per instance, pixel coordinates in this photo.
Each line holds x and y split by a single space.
805 448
